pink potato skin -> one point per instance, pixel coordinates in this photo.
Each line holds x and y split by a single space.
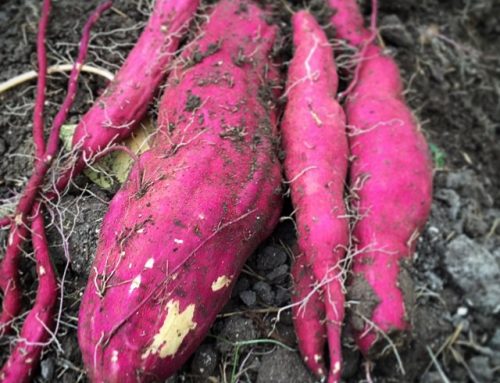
125 101
25 356
197 205
392 172
315 143
308 316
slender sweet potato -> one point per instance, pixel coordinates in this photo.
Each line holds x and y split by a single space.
37 326
193 208
308 316
125 101
9 278
392 175
114 115
315 143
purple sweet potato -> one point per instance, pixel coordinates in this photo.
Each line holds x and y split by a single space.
315 143
392 175
193 209
125 101
308 316
113 116
37 327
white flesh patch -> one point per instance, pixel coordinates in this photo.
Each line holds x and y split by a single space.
336 367
135 283
178 241
114 356
149 263
221 282
41 270
175 327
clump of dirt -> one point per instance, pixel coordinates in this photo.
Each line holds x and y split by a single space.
448 55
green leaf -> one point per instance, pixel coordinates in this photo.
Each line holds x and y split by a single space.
438 156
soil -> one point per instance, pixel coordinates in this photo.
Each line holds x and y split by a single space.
448 51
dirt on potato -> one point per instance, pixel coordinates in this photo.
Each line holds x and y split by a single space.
448 52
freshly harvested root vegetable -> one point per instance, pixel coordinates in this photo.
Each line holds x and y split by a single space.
114 116
119 110
308 316
44 156
193 209
391 175
315 143
38 325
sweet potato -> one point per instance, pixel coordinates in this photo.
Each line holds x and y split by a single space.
113 116
125 101
193 208
38 325
392 178
308 316
44 155
315 143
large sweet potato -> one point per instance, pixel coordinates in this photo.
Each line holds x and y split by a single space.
391 175
192 210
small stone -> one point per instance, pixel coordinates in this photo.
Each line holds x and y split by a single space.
474 269
236 329
270 258
467 185
475 225
248 297
283 366
277 273
462 311
47 369
204 360
433 230
452 199
480 366
242 284
394 31
264 292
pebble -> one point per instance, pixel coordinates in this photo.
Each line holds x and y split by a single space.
452 199
474 269
242 285
248 297
204 360
394 31
235 329
278 273
47 369
264 292
270 258
283 366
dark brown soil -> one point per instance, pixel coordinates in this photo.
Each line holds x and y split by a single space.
449 54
